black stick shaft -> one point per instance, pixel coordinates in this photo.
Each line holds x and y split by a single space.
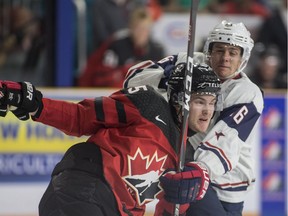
187 94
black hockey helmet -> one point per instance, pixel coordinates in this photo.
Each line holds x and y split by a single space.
204 82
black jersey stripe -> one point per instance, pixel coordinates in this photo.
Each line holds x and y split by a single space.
121 112
100 116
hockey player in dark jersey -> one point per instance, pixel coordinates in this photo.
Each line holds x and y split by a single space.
133 134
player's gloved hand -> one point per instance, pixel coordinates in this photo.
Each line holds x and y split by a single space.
187 186
22 96
21 114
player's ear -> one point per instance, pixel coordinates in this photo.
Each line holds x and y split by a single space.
208 58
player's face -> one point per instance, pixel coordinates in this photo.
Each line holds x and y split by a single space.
225 59
201 111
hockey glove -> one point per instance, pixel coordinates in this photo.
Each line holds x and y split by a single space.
22 97
187 186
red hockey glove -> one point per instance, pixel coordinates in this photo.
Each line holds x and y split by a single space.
21 95
187 186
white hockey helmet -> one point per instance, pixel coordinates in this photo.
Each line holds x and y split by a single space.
232 33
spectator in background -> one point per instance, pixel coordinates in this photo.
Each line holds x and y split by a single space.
273 31
266 73
23 31
107 66
103 24
22 45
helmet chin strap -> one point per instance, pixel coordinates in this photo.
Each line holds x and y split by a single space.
241 67
231 75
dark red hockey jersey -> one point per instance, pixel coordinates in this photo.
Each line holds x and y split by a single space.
136 134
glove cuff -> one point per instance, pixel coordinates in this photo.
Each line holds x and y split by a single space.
38 113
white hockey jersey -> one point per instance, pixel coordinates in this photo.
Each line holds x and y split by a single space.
226 147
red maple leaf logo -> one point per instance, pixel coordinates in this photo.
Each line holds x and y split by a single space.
139 164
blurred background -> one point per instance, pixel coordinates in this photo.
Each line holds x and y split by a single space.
74 49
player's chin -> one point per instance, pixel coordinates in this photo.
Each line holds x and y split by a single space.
223 72
202 126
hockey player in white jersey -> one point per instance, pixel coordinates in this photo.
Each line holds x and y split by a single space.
225 150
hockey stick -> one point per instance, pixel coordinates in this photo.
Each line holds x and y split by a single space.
187 93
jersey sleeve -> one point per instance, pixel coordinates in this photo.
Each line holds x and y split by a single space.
228 140
152 73
87 116
156 74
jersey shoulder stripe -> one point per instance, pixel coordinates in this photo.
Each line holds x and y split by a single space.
219 153
241 186
98 103
121 112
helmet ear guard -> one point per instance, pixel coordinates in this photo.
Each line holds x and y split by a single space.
176 84
231 33
175 91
